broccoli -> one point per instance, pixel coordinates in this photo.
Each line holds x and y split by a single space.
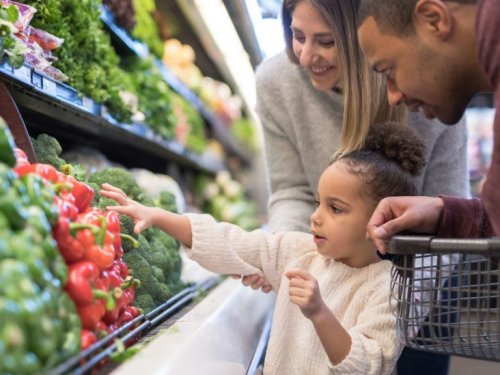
142 271
166 200
47 150
158 272
120 178
145 302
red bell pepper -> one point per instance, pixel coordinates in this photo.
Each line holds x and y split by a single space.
21 157
87 338
45 171
82 192
91 314
98 248
65 204
71 248
82 277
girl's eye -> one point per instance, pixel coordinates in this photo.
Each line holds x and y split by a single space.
316 202
336 210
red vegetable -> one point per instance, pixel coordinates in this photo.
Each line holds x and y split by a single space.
87 338
82 192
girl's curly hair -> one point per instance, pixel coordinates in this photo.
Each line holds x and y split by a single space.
393 153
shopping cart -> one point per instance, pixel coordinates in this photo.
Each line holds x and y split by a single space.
448 294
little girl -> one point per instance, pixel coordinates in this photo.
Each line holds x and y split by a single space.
332 313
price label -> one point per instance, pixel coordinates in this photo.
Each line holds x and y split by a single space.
23 73
88 104
50 87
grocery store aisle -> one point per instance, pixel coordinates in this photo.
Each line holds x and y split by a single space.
467 366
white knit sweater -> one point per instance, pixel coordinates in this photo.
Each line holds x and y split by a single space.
359 297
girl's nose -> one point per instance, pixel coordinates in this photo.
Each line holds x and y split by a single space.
316 218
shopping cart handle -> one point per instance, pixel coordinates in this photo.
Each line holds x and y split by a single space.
410 244
414 244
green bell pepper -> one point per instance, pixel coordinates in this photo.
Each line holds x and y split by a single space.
7 145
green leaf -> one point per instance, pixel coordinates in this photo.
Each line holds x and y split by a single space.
12 13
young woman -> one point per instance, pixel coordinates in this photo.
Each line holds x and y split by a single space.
344 323
318 97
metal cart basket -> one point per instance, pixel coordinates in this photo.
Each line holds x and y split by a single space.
447 293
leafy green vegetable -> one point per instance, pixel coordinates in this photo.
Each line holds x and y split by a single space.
146 28
86 56
9 45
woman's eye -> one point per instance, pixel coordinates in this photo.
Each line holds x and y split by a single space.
327 43
298 38
316 202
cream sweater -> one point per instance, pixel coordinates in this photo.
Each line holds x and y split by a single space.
359 297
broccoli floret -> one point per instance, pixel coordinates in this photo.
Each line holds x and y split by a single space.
158 272
162 293
141 270
47 150
145 302
97 196
166 200
120 178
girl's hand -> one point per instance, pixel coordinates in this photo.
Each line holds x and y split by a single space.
304 292
143 216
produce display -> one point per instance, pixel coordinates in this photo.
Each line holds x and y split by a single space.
10 46
86 56
71 272
146 28
156 261
39 324
224 199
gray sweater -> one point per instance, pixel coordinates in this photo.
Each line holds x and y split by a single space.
302 131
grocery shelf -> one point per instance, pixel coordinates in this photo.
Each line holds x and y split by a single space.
121 38
86 361
219 130
225 333
124 42
42 100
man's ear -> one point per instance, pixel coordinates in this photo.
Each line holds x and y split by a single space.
434 18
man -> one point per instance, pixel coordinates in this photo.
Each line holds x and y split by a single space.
437 55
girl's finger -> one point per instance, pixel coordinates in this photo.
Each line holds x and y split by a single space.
297 292
123 210
296 282
297 301
110 187
140 226
298 273
115 196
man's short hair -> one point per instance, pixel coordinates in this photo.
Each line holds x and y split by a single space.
394 16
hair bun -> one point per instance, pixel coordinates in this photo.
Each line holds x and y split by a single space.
399 143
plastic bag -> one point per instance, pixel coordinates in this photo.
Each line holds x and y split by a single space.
44 39
26 13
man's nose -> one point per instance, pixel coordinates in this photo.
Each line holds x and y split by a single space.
394 96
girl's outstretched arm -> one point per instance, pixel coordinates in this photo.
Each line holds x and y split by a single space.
144 217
